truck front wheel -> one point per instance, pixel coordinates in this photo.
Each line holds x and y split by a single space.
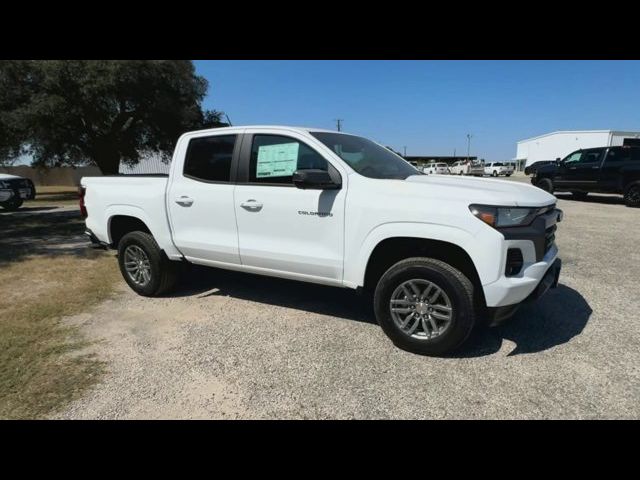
545 184
12 205
144 266
425 306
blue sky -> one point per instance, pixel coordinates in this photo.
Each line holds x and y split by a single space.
430 106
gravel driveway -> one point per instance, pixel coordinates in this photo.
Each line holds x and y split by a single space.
231 345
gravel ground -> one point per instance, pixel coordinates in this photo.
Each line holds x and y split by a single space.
230 345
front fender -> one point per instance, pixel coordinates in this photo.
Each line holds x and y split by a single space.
482 246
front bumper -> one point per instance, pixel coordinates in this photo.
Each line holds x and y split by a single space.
497 315
25 193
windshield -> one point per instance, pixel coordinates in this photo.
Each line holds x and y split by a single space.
366 157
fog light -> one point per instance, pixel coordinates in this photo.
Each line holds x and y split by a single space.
514 262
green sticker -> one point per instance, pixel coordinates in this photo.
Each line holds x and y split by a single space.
277 160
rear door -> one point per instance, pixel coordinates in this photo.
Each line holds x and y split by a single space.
283 229
200 200
616 163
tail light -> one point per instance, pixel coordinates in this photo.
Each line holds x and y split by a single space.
83 209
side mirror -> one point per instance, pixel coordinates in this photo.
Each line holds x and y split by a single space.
313 179
558 160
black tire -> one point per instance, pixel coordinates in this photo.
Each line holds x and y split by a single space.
579 195
545 184
452 282
163 272
12 205
632 195
495 174
508 175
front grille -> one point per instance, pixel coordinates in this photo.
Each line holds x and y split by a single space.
549 237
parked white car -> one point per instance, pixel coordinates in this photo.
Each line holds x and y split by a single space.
436 169
496 169
335 209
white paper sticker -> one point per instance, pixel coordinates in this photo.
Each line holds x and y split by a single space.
277 160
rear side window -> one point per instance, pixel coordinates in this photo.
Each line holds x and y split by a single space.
209 158
623 154
274 158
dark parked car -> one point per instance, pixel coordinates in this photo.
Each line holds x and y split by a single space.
530 169
15 190
599 170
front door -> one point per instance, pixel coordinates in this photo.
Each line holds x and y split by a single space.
200 201
580 169
283 229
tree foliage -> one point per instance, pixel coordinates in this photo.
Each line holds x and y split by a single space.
79 112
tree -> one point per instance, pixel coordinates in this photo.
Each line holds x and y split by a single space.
101 112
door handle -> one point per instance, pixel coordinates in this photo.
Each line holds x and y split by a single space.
595 168
573 168
184 201
251 205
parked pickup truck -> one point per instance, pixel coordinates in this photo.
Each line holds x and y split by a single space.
15 190
498 168
599 170
438 253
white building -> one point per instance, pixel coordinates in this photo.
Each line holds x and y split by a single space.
560 144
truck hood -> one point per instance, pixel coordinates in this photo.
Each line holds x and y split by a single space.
6 176
485 191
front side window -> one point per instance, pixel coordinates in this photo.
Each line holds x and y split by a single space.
209 158
366 157
573 158
274 158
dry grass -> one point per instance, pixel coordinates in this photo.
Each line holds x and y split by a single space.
42 364
54 195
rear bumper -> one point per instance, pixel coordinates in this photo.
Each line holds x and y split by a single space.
497 315
95 242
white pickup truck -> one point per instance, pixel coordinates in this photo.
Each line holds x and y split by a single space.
438 253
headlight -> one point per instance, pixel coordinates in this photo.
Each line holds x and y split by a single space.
4 184
498 217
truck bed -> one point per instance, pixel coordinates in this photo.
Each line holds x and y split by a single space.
141 196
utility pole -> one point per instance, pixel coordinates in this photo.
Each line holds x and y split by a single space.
468 145
339 124
405 150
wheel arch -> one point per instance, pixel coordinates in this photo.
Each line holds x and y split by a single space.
121 224
449 246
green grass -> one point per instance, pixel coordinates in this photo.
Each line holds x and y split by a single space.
43 361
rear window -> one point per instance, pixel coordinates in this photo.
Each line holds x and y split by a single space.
209 158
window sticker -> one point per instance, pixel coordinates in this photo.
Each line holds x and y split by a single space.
277 160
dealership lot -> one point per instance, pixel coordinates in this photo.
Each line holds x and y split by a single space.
229 345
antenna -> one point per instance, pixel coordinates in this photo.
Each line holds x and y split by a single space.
228 120
339 124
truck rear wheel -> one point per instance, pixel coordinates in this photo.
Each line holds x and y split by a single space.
545 184
425 306
632 195
144 265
